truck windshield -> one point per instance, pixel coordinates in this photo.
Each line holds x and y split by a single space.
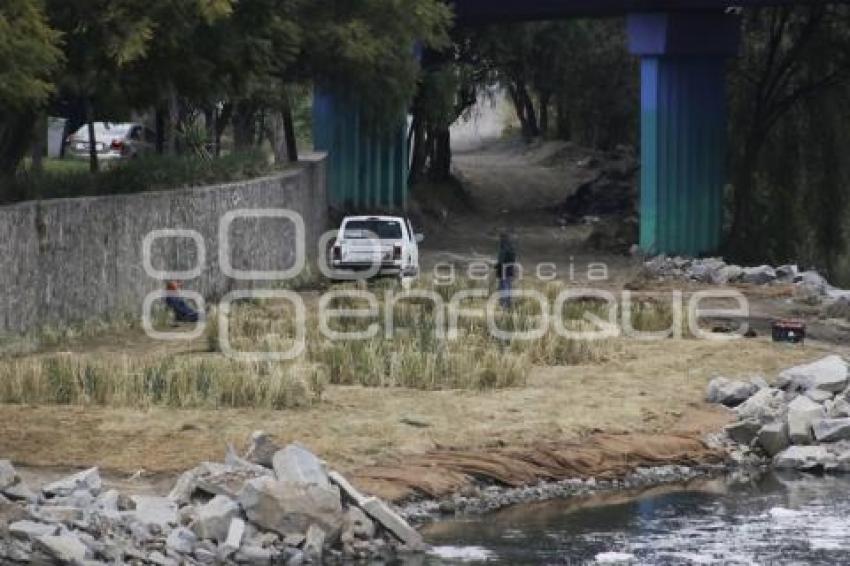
362 229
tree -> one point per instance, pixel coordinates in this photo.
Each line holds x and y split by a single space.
100 39
795 59
28 57
366 49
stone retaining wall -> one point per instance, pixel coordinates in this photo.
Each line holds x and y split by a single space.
69 260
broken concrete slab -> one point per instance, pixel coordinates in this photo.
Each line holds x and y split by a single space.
290 508
818 395
802 458
773 437
314 544
394 523
765 406
87 479
827 374
297 464
831 430
254 555
743 432
729 392
152 510
214 518
66 548
262 449
59 513
761 275
802 411
838 408
233 540
349 490
181 540
358 525
20 492
8 475
30 530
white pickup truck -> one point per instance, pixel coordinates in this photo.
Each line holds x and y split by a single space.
380 245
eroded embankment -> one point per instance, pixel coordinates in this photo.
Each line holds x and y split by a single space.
440 473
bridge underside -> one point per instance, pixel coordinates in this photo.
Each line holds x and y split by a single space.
470 12
683 119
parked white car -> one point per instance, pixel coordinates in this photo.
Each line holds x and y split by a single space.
385 244
113 140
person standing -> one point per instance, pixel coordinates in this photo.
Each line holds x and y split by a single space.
506 269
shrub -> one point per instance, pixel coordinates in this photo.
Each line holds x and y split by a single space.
145 173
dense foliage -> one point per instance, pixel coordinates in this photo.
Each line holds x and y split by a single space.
236 63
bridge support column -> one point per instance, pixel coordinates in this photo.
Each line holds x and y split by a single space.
683 128
367 171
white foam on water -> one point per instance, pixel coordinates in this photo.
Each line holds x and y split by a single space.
615 558
462 553
783 513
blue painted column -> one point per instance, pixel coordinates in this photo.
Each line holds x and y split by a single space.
367 170
683 128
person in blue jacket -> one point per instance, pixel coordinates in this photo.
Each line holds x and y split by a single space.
178 305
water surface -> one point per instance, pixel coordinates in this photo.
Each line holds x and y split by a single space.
773 519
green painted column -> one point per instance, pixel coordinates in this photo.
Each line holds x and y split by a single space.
367 170
683 128
683 154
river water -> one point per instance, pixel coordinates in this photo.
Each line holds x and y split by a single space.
771 519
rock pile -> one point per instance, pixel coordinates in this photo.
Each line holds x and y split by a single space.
809 285
273 506
802 421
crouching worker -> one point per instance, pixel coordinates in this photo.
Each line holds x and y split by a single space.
178 305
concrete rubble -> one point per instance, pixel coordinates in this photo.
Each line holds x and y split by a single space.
809 286
801 422
283 507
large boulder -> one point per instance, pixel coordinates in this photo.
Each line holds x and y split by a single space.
761 275
152 510
729 392
298 465
802 458
181 540
743 432
764 406
262 449
87 479
214 518
8 475
818 395
827 374
802 412
773 437
66 548
831 430
838 408
289 508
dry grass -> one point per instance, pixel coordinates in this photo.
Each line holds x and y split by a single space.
417 354
640 387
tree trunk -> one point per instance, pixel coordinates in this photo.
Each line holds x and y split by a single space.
15 132
544 113
289 131
274 132
743 244
159 118
39 143
173 120
419 151
221 123
244 127
93 163
441 160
